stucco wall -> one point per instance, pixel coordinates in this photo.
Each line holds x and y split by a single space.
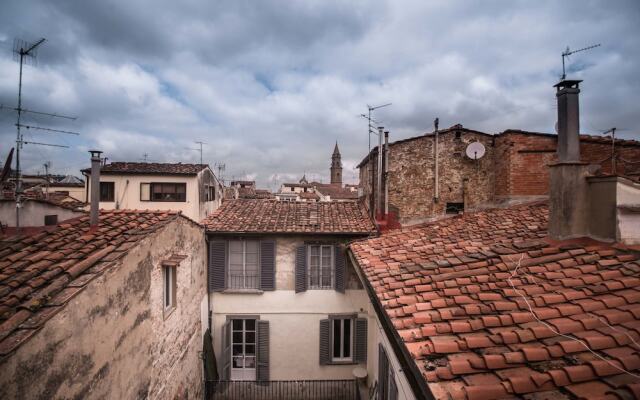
76 192
628 212
112 340
32 213
127 194
294 318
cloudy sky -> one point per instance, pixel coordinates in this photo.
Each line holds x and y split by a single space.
271 85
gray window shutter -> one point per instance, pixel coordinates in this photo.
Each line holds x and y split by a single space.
383 365
268 265
262 354
340 269
393 389
225 358
325 345
360 344
217 265
301 269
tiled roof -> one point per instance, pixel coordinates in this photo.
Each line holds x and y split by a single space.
253 193
335 191
150 168
272 216
264 194
56 199
447 288
39 274
309 196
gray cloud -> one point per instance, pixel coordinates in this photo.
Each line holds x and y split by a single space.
271 85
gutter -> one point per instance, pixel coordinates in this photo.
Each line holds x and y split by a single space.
417 382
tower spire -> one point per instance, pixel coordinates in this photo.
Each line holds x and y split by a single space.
336 166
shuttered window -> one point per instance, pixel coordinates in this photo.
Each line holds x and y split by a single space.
242 264
245 349
320 266
343 340
387 388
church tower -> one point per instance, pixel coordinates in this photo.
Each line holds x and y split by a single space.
336 166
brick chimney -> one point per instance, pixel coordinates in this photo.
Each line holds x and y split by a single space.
568 188
95 187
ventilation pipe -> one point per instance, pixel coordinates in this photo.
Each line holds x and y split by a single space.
386 173
436 193
379 205
95 187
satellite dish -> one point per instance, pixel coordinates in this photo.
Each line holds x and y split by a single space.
475 150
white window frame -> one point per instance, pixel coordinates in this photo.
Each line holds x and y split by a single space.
169 288
341 320
332 267
244 265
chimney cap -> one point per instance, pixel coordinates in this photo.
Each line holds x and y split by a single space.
567 83
95 153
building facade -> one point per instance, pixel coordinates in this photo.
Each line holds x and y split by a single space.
514 168
192 189
287 304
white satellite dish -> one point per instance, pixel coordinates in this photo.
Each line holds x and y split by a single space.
475 150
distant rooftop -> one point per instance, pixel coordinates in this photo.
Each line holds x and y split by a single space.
150 168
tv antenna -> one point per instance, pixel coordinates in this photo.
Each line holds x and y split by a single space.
612 131
221 168
200 149
370 119
25 53
569 52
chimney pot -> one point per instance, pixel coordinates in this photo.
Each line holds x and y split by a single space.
567 92
95 187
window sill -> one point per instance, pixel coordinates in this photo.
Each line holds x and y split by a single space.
242 291
351 362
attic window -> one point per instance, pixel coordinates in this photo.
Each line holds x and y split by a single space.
454 208
458 134
50 220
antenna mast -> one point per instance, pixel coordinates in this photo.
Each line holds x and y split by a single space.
569 52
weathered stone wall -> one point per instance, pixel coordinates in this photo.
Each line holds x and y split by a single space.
112 340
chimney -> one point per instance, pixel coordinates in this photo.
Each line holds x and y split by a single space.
379 204
568 186
568 120
95 187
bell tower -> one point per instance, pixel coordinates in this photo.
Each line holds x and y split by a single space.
336 166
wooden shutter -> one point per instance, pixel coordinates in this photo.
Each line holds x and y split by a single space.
225 358
268 265
217 265
325 345
360 345
340 269
301 269
262 354
383 365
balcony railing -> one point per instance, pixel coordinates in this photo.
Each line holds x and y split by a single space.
283 390
244 281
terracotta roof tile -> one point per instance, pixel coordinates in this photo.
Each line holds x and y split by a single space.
143 168
271 216
38 274
584 292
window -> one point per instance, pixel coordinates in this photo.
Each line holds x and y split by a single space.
387 388
168 191
243 264
107 191
454 208
169 288
243 348
321 262
342 339
50 220
210 192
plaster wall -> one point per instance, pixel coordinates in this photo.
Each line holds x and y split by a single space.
77 192
628 212
294 318
33 213
113 340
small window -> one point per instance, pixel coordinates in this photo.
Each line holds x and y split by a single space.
169 276
210 192
321 266
50 220
107 191
292 189
458 134
454 208
342 340
169 192
244 264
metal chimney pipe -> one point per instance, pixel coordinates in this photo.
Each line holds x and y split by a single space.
379 175
568 120
386 173
95 187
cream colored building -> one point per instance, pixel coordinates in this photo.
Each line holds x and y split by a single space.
286 303
192 189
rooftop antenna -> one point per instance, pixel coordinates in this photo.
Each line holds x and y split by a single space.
612 131
370 119
25 52
200 149
221 168
569 52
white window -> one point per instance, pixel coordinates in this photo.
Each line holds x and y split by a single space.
342 340
321 266
243 264
169 287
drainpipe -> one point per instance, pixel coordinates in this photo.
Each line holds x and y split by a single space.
379 174
435 151
386 173
95 187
